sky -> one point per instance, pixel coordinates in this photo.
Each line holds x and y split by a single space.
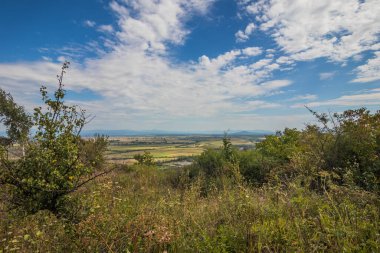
194 65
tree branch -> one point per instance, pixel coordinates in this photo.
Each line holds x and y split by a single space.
90 179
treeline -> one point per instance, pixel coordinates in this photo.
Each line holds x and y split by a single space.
341 149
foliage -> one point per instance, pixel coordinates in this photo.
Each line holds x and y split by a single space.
229 153
144 159
54 164
140 212
92 151
280 147
252 167
342 149
14 118
347 145
211 163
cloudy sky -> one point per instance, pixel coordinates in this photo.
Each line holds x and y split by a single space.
191 65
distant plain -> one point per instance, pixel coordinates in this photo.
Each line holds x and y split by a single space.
170 151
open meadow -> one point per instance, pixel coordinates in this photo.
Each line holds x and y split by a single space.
173 150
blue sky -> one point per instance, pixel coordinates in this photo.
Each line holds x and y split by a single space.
195 65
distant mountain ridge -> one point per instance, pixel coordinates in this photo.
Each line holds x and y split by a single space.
163 132
87 133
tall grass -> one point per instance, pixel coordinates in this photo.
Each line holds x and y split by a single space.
149 210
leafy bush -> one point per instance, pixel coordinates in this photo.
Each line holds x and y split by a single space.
144 159
342 149
211 163
54 164
92 151
279 148
346 145
252 167
14 118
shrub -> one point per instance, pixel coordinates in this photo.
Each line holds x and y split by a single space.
92 151
144 159
53 165
252 167
347 144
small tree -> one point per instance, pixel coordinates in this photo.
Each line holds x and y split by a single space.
92 151
53 165
348 144
15 119
144 159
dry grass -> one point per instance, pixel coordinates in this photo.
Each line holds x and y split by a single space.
164 149
141 211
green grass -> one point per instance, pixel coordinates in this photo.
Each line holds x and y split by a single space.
142 211
164 149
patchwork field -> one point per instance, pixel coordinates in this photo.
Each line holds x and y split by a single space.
169 150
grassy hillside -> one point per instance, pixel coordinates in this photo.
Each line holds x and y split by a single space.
310 190
143 209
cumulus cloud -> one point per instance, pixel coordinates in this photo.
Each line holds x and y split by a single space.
156 22
305 30
252 51
370 71
139 82
105 28
242 36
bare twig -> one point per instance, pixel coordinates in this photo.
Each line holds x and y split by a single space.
90 179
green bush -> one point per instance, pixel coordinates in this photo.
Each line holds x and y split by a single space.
144 159
211 162
346 145
92 151
252 167
54 164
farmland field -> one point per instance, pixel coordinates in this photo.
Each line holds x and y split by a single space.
169 150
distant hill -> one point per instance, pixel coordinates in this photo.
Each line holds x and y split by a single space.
163 132
253 132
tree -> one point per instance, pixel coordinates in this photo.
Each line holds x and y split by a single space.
144 159
92 150
53 166
228 150
15 119
347 143
280 147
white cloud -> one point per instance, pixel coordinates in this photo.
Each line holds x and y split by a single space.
326 75
242 36
365 99
252 51
370 71
303 97
261 63
105 28
156 22
220 61
285 60
308 30
89 23
139 82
